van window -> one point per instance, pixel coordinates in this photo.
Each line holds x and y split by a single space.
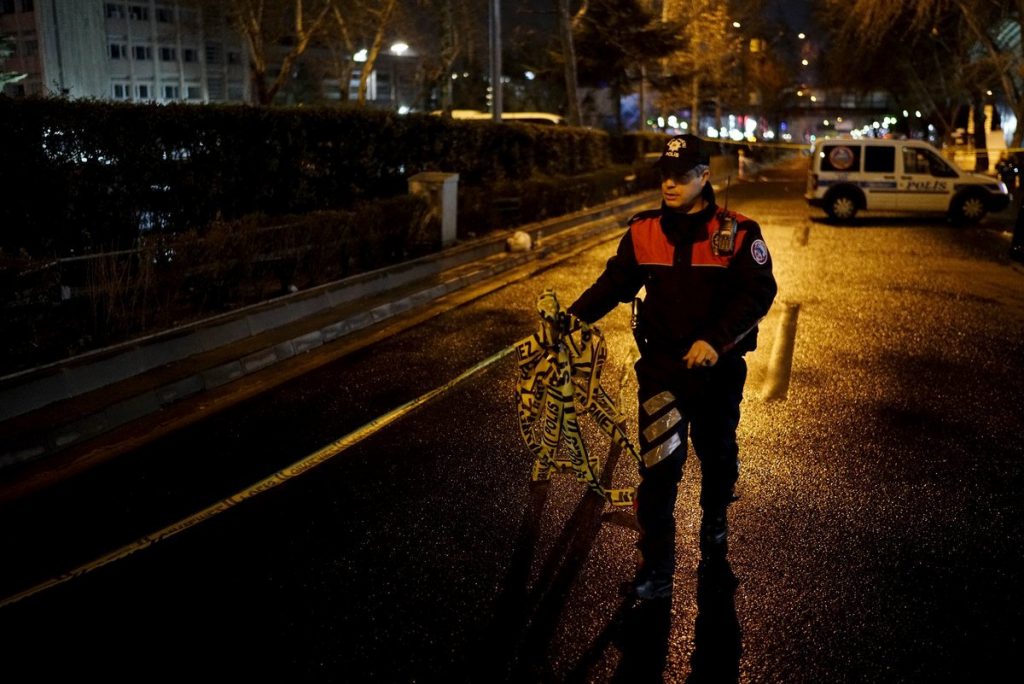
917 160
840 158
879 159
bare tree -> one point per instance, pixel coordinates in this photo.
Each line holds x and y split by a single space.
272 26
614 40
926 70
380 14
569 60
342 48
994 57
450 47
450 35
358 27
709 56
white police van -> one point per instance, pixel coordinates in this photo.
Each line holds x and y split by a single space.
543 118
847 176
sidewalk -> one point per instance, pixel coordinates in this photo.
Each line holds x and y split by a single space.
64 417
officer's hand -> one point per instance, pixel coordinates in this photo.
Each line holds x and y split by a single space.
701 354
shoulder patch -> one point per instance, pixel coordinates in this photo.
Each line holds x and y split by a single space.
646 214
759 252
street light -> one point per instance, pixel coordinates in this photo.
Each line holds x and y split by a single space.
494 25
399 48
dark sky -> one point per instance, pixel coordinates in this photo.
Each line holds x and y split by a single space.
796 13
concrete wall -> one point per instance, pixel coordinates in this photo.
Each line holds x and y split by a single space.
73 45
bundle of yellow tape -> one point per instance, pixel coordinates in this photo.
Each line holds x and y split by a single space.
560 378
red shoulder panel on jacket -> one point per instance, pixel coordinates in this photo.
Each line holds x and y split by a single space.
650 245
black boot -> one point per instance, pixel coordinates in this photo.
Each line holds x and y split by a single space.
650 584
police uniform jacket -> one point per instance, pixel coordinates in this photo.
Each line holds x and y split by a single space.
692 292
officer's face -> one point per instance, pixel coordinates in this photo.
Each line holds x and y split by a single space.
681 190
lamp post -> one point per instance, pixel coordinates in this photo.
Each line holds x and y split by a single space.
495 31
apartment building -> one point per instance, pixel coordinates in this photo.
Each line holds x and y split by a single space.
132 50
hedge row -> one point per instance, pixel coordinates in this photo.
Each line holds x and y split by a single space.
62 308
56 309
510 203
108 170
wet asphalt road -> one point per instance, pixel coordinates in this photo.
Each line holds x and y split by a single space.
878 538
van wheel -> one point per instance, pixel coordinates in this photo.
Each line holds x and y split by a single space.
968 209
841 206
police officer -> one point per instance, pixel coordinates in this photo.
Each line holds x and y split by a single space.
708 279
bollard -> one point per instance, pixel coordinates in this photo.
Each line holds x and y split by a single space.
441 189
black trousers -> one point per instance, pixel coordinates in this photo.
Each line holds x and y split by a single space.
674 401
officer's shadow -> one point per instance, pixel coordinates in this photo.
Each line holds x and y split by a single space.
718 639
527 614
640 630
526 617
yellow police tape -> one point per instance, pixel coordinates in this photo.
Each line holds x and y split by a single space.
560 367
311 461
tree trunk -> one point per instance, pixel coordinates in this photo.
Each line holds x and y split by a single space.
374 51
980 139
643 99
569 57
695 113
449 52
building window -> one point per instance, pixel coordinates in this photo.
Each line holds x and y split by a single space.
138 12
118 51
383 86
193 92
168 54
165 15
114 11
234 57
142 91
353 84
142 52
189 55
214 53
6 6
235 92
216 88
171 92
27 6
122 91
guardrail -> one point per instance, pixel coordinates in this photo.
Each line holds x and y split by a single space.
39 408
